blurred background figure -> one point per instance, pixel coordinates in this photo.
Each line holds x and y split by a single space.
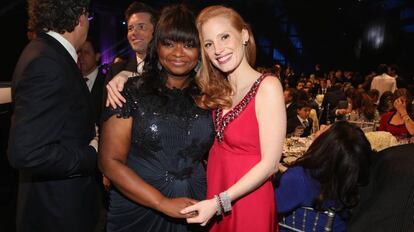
93 75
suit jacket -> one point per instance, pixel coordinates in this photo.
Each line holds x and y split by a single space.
50 132
127 65
387 202
331 98
97 96
292 123
291 111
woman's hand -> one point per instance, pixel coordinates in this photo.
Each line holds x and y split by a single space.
400 106
173 206
106 182
205 211
115 87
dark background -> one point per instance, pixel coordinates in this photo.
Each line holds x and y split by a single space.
351 34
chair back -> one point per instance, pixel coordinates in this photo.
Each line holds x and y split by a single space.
304 224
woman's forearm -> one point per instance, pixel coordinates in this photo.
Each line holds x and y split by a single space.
131 185
255 177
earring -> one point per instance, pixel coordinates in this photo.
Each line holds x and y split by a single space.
159 66
198 66
245 43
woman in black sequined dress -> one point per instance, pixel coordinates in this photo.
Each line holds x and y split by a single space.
152 148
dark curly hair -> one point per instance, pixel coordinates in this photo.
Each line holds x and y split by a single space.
57 15
339 160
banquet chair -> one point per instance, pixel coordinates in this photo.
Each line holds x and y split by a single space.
308 223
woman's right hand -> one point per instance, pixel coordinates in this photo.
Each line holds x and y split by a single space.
173 206
115 87
400 106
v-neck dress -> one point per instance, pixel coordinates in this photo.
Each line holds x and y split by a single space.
235 151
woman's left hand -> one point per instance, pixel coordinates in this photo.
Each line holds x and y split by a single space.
206 210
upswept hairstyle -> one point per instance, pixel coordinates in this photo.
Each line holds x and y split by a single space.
216 91
176 23
339 160
57 15
139 7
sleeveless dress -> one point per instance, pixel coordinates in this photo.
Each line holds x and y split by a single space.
235 151
170 138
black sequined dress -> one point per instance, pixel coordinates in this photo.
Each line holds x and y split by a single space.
170 138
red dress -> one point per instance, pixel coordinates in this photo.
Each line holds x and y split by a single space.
235 151
396 130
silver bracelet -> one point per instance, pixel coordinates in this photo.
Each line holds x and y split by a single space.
225 201
218 213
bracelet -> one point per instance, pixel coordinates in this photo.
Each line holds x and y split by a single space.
225 201
219 212
407 119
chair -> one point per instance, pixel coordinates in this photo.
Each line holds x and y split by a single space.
303 225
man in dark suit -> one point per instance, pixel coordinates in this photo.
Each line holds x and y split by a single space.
301 124
89 57
330 104
387 202
290 95
52 132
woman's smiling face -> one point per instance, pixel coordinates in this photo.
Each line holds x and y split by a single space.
223 43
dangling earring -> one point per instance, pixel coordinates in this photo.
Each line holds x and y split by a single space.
159 66
197 67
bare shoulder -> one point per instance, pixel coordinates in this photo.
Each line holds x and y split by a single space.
270 86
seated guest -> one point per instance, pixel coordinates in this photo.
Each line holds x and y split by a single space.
385 103
326 176
387 202
374 95
290 95
301 125
399 121
331 102
363 108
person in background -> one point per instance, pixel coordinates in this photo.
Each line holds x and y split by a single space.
327 176
386 103
301 125
141 20
290 96
250 123
399 122
331 102
374 95
383 82
93 75
52 136
386 203
153 146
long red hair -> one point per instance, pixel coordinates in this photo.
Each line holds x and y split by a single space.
216 90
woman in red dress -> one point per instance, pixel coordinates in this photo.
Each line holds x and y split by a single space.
250 123
399 122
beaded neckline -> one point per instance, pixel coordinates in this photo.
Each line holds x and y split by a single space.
222 121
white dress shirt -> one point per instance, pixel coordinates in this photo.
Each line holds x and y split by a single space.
90 78
65 43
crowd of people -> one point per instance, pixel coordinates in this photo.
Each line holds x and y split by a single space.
187 135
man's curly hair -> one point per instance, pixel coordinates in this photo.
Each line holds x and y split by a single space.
56 15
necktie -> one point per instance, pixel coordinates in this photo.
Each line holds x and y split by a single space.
305 123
